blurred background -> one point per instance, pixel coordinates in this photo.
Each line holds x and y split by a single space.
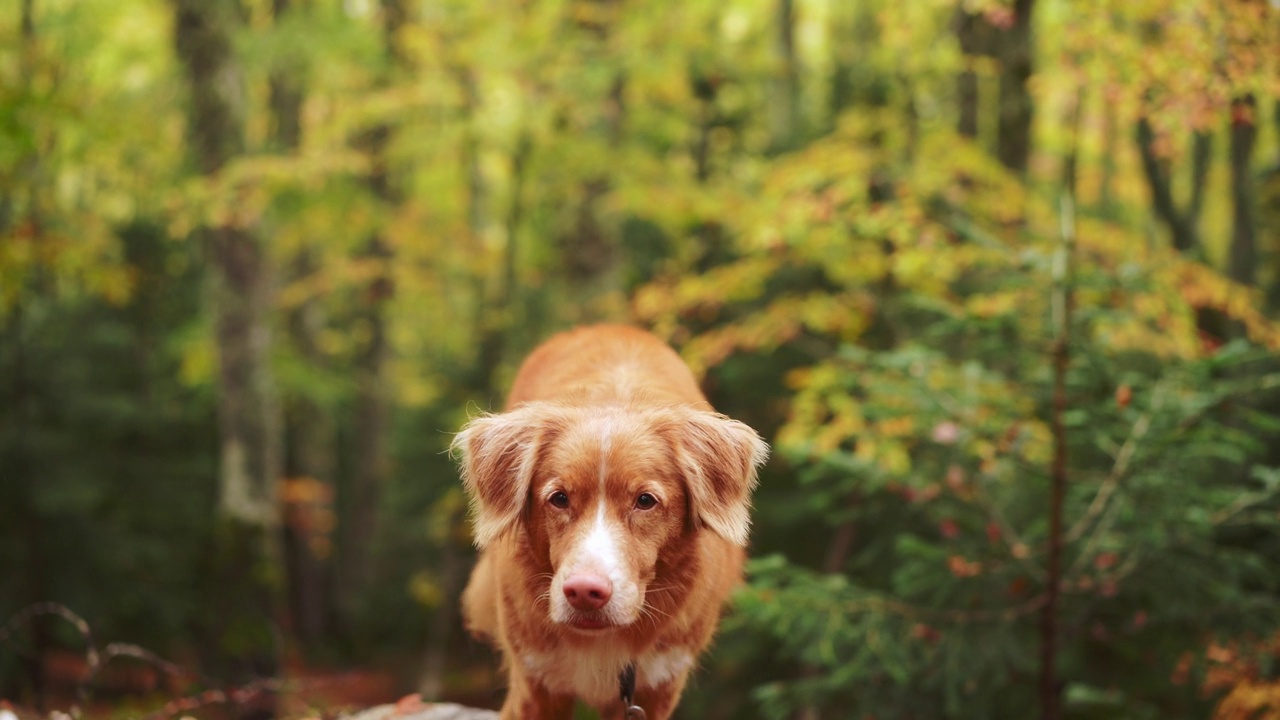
998 280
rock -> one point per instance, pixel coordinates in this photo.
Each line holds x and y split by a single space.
413 708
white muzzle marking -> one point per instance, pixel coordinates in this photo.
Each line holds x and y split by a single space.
599 552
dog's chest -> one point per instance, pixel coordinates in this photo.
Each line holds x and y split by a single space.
592 673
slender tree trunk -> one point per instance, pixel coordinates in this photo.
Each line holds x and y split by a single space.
1017 108
245 568
590 252
308 499
27 20
1201 159
442 627
20 459
373 401
500 314
1248 36
309 504
1070 163
784 106
495 315
843 59
489 323
1110 132
286 93
1244 136
1248 26
1012 43
854 83
1183 224
12 208
247 413
705 89
975 36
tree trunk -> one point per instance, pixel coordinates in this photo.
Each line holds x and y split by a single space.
308 500
244 575
843 59
1183 224
373 402
286 94
784 105
1244 135
1070 163
590 252
500 315
310 462
855 27
489 326
19 458
1017 108
1201 158
1110 132
705 88
975 36
441 629
1012 43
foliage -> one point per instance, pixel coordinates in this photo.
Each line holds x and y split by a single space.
919 418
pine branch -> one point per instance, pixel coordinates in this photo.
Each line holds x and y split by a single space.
1112 482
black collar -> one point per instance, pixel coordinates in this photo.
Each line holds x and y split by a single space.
627 690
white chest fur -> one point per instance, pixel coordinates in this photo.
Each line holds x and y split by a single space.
592 673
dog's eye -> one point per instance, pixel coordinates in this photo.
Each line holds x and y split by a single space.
645 501
559 499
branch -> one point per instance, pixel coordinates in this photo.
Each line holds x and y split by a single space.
1112 482
879 603
1009 533
31 612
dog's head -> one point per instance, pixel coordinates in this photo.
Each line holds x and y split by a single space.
602 490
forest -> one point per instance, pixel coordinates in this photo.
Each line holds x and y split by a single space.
998 280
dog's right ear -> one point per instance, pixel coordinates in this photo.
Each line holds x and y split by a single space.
499 456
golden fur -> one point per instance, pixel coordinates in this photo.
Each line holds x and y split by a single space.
611 507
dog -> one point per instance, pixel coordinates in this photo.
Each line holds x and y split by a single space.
611 506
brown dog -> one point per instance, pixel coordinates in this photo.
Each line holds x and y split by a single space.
611 509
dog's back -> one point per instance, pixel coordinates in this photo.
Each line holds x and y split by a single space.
605 364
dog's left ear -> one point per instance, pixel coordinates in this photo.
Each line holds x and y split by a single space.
499 456
718 458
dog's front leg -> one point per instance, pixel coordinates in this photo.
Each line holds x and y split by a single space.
528 699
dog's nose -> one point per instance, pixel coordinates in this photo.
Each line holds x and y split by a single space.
588 592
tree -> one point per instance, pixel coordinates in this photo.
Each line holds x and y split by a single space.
373 401
1246 22
245 567
784 109
1004 33
310 462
